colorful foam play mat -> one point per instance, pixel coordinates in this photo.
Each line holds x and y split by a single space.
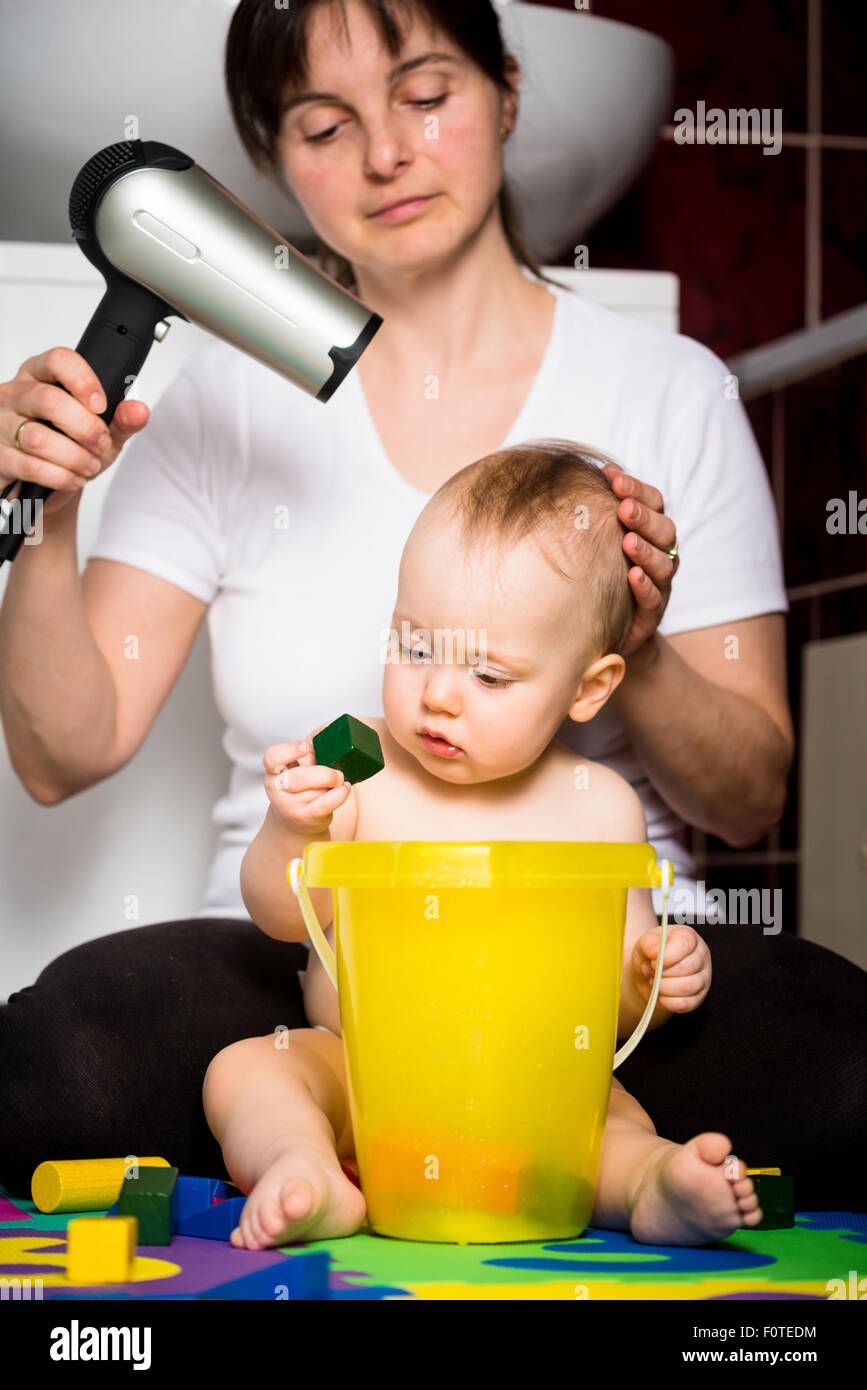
813 1260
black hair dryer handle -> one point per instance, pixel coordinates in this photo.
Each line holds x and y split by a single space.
115 344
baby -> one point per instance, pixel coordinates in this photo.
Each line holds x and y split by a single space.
522 552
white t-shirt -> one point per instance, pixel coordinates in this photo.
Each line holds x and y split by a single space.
286 516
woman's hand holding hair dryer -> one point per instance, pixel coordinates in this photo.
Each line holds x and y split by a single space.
85 446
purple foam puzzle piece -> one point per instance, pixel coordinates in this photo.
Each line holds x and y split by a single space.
214 1223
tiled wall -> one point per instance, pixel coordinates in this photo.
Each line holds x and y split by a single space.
767 245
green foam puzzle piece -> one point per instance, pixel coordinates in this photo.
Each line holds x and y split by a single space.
150 1196
776 1198
350 746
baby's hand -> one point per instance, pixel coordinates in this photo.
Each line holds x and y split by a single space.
303 794
686 969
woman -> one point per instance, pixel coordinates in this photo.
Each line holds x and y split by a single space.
283 520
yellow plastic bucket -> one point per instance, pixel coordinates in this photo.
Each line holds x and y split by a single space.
478 987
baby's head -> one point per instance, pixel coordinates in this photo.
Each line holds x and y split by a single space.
513 606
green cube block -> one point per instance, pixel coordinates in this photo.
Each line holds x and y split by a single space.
350 746
150 1197
777 1201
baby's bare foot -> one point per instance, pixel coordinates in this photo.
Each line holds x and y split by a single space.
303 1195
685 1197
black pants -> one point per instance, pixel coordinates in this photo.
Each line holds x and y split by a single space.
106 1052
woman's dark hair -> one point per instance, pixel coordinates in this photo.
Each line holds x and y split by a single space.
266 47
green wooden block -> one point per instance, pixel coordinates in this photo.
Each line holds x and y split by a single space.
777 1201
150 1197
350 746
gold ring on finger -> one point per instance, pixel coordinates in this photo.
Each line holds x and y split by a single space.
18 433
672 554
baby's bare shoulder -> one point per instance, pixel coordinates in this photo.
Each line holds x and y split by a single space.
598 799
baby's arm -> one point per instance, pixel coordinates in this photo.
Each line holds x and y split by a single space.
686 971
640 919
304 797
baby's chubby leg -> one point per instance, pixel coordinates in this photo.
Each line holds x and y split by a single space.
666 1193
280 1115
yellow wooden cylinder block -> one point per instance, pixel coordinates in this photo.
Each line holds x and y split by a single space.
83 1184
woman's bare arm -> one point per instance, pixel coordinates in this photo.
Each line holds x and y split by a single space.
86 661
710 720
708 710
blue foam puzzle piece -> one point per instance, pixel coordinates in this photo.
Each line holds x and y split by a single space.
214 1223
222 1190
300 1277
194 1194
198 1194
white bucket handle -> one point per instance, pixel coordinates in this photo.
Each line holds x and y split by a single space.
326 955
667 870
311 921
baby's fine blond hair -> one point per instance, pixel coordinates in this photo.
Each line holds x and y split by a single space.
554 492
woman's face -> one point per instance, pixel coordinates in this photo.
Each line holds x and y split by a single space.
382 131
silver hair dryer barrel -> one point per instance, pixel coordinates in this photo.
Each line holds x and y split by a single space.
169 239
186 237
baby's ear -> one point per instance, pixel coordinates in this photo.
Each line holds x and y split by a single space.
598 684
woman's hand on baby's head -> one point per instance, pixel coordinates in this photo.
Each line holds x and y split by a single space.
649 537
303 794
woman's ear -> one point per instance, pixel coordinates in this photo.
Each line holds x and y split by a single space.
511 99
598 684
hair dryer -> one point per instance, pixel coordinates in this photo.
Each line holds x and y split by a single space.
169 239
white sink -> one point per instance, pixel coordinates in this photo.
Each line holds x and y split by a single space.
593 96
594 93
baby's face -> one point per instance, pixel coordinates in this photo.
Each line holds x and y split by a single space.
486 654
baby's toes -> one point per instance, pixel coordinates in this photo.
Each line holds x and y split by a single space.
271 1219
751 1218
242 1237
715 1148
297 1200
254 1237
748 1205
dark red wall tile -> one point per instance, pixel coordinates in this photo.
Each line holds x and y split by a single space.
844 230
844 110
844 613
825 458
729 53
729 221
